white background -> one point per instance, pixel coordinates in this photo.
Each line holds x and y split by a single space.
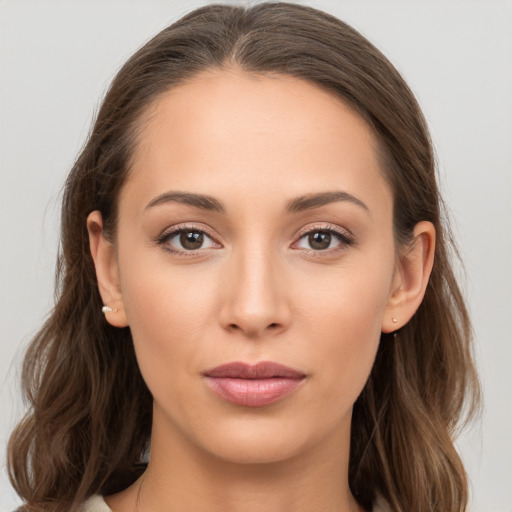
56 60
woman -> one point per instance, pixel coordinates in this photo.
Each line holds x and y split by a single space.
254 286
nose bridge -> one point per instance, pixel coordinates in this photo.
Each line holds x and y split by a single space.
256 301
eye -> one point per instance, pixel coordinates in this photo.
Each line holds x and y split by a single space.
182 239
325 239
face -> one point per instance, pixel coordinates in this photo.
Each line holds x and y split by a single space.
255 226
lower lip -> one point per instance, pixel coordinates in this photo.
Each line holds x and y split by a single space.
253 392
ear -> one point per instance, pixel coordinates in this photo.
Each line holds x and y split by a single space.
411 278
107 270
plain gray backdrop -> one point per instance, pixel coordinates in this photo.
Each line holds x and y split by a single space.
56 60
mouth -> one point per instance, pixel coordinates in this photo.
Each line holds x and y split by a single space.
253 385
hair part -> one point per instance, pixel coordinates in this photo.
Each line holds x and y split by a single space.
90 411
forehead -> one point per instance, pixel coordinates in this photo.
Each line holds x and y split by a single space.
227 130
234 104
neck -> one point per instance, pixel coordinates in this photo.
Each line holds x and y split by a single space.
180 476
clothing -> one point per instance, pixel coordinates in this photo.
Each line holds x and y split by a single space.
97 504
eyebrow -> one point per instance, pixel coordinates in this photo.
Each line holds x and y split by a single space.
296 205
197 200
309 201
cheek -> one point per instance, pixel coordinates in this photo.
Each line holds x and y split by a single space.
166 303
343 316
351 299
168 307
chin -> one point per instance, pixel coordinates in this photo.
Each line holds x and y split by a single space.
257 452
258 441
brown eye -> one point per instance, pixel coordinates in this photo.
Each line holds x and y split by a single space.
328 240
186 240
319 240
191 240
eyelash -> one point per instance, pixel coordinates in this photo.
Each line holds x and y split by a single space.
164 238
344 239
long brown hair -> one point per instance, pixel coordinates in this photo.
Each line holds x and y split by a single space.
90 412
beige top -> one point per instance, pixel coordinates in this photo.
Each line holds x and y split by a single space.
97 504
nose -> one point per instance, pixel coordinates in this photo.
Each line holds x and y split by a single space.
255 297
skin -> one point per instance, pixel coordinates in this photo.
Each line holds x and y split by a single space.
257 290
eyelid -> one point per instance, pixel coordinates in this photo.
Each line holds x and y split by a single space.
344 236
174 230
325 227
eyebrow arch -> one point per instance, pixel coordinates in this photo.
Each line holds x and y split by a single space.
296 205
198 200
309 201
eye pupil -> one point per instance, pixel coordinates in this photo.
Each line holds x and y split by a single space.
191 239
320 240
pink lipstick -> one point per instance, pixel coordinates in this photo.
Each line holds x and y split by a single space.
253 385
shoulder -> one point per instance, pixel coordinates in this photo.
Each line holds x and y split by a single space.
95 503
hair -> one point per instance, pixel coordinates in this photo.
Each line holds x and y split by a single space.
90 414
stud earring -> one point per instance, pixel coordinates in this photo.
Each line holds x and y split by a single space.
108 309
395 334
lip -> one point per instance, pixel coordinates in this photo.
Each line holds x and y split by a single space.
253 385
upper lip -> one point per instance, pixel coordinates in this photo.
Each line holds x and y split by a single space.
262 370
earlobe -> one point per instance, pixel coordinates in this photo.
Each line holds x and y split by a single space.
412 275
107 271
